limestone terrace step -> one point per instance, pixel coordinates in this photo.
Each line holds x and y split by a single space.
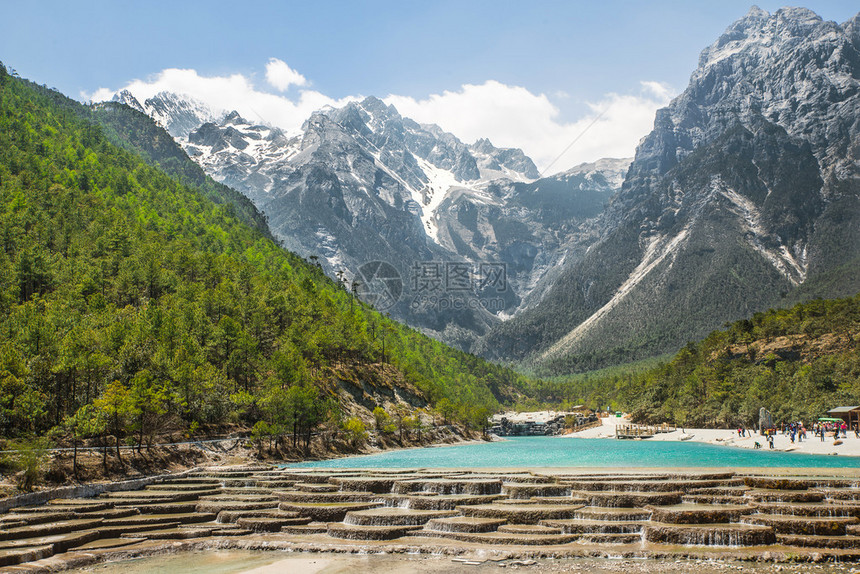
30 518
116 512
710 534
577 526
140 498
809 541
698 513
353 532
650 486
74 505
116 531
323 497
58 542
315 487
840 493
529 529
609 538
190 480
231 532
217 506
448 486
518 491
557 500
504 538
269 523
326 512
628 498
377 485
108 543
173 534
317 477
784 495
778 482
714 499
394 516
184 487
59 527
237 497
231 516
438 502
18 555
464 524
185 517
520 514
612 514
309 528
806 525
164 507
808 509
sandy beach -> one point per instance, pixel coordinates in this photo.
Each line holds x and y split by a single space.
729 437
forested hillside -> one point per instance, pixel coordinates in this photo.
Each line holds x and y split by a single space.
129 298
796 362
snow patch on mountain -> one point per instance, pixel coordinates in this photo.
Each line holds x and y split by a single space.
607 172
441 182
793 269
179 114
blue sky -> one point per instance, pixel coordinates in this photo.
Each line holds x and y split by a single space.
566 60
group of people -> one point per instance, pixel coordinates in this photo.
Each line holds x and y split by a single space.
837 428
797 431
768 433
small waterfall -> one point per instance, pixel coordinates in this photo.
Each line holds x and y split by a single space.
732 535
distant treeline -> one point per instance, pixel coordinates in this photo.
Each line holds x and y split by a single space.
796 362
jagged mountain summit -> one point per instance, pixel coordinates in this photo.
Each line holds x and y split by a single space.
361 184
178 114
418 165
744 196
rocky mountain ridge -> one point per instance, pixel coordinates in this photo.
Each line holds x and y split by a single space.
744 196
362 183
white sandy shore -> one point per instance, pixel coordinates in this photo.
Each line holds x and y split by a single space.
728 437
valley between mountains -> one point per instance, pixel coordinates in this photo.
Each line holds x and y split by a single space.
743 197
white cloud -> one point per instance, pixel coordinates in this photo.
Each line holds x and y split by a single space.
280 76
512 116
228 93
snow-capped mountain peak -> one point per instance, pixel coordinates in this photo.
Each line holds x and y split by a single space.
179 114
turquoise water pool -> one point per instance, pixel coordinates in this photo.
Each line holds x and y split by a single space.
535 452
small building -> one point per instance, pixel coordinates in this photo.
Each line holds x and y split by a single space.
850 415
